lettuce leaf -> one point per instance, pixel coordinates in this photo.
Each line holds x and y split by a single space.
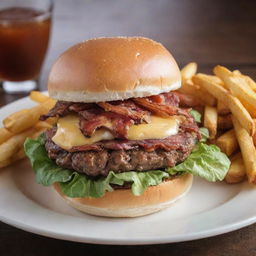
83 186
205 134
196 115
205 161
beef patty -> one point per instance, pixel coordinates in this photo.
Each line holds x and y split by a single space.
95 163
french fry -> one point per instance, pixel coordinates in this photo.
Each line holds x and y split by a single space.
50 103
254 135
225 122
237 72
211 120
19 155
221 72
250 82
19 117
236 172
44 100
241 114
207 98
215 79
38 97
227 142
42 125
235 106
248 150
222 108
189 88
16 157
5 163
12 145
23 124
188 71
4 135
250 108
239 88
213 88
24 119
247 79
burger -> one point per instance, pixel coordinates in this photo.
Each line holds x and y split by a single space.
125 143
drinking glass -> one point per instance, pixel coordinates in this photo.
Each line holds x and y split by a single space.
25 27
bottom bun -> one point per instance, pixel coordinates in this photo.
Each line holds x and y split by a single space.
122 203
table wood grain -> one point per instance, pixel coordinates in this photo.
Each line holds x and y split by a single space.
208 32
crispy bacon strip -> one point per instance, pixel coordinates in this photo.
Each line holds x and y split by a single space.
93 119
126 108
168 98
61 108
160 109
157 98
77 107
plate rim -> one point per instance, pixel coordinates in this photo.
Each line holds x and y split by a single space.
180 238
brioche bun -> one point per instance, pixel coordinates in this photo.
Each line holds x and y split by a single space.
118 68
122 203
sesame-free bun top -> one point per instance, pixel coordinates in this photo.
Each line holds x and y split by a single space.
117 68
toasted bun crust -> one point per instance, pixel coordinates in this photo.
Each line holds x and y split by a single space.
122 203
106 69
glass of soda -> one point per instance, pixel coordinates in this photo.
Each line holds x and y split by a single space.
25 27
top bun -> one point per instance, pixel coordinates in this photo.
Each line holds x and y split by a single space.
118 68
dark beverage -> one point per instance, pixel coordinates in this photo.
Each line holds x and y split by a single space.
24 36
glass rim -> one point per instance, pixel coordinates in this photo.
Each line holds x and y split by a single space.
45 15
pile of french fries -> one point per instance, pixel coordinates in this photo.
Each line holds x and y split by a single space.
21 125
228 106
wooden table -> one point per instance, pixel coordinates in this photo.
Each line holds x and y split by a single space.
208 32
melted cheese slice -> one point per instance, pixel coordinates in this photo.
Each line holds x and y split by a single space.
68 134
159 128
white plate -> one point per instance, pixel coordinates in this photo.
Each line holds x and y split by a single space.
209 209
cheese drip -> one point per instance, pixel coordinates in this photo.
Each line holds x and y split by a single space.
68 134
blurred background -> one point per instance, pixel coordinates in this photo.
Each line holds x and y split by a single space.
207 32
